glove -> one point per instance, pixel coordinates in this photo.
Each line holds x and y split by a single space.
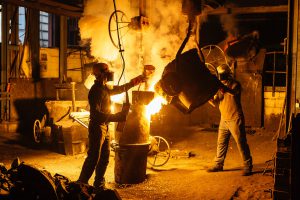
118 117
137 80
224 89
122 116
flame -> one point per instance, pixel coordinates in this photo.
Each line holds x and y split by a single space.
152 85
112 108
117 98
154 106
105 51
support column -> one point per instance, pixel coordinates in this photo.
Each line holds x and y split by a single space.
293 93
297 43
13 51
293 69
34 43
63 49
143 8
4 48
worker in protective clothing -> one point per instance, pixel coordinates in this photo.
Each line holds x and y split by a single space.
100 116
232 121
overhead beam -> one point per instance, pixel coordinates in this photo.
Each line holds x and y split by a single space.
60 5
248 10
49 7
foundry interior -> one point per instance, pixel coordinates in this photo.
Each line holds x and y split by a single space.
168 142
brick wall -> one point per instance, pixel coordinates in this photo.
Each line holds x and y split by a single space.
273 105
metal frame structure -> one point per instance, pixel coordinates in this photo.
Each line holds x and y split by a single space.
70 8
64 9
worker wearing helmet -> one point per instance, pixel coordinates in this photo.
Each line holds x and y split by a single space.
232 121
100 115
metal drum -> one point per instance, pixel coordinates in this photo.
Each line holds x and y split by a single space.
187 80
133 144
131 163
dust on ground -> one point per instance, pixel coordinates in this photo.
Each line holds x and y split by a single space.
184 176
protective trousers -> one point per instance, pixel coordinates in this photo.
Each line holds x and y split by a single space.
236 128
97 155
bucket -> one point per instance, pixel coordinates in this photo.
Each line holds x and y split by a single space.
131 163
188 81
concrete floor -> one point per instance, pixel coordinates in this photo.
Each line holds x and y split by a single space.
181 178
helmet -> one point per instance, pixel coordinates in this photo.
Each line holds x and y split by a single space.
102 68
224 72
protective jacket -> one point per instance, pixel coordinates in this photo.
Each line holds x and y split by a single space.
99 139
100 103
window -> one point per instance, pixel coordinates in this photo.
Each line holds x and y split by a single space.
22 23
44 29
275 69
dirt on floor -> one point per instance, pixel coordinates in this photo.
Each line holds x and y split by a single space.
184 176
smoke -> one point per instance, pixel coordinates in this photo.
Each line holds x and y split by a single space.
165 35
94 28
157 45
229 23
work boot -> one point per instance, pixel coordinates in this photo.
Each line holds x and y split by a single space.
216 168
100 187
247 171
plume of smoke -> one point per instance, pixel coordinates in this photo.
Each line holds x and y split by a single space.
230 26
157 45
229 22
94 27
168 27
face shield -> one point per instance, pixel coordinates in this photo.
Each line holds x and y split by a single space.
105 74
109 78
224 76
109 75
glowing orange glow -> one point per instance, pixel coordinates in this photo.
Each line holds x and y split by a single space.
154 106
119 98
105 51
112 108
151 88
